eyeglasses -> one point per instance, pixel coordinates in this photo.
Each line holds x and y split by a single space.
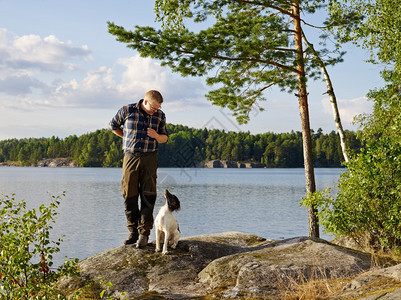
154 108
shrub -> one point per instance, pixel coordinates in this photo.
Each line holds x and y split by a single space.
369 198
368 202
26 251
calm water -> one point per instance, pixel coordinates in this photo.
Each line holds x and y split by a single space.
264 202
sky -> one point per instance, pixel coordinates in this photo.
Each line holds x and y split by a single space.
62 74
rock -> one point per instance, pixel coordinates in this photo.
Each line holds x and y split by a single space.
231 164
46 162
10 164
214 164
218 163
225 265
55 162
254 165
362 242
375 284
259 273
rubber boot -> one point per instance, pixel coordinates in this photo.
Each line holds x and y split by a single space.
132 238
142 241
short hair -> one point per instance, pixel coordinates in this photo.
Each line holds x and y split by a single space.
154 95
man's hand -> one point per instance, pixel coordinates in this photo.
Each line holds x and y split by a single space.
152 133
118 132
160 138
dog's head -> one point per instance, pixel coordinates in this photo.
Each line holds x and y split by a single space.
172 201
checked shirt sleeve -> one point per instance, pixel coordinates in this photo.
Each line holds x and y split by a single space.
162 126
118 119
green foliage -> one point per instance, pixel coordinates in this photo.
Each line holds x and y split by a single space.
322 200
103 292
318 198
26 251
369 195
189 147
96 149
244 47
369 198
377 28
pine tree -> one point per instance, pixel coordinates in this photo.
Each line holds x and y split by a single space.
252 46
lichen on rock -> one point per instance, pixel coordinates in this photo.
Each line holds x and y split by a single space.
226 265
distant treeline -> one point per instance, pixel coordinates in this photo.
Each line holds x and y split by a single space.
186 147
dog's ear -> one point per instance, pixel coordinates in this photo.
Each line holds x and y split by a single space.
178 204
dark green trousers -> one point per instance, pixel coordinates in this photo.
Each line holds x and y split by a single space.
139 183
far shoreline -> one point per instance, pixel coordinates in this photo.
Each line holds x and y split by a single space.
212 164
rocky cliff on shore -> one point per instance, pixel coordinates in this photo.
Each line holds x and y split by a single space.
219 163
46 162
56 162
233 265
68 162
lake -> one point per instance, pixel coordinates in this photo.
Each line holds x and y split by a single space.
264 202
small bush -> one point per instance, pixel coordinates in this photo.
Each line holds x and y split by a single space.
26 251
368 201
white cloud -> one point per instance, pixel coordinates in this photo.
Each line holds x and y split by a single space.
101 89
96 90
29 65
144 74
141 74
26 60
108 88
348 108
32 53
20 85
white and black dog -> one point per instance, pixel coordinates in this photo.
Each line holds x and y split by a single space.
165 223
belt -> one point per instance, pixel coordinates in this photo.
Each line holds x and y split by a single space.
139 153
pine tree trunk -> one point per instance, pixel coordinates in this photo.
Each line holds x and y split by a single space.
306 132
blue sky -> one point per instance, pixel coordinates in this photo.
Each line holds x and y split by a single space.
62 73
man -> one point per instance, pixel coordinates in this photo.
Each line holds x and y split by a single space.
142 126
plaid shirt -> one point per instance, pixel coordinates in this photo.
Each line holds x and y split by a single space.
135 123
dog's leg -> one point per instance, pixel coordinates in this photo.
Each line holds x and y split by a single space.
175 239
165 245
158 238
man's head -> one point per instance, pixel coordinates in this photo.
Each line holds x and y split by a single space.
152 101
